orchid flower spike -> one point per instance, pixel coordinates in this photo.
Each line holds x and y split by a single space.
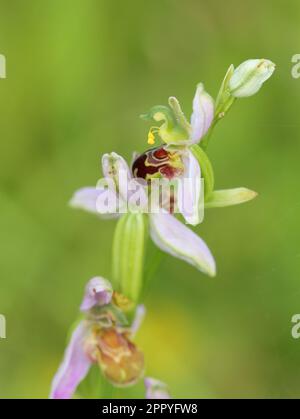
103 337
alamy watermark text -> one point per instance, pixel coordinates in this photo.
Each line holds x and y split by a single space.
2 327
2 66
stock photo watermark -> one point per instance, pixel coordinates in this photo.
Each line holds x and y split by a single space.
296 67
2 326
2 66
295 331
181 195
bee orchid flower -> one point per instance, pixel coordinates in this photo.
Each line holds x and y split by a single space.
176 159
102 337
166 231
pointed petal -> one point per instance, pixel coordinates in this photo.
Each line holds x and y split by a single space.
86 199
116 168
99 200
190 197
112 163
207 172
156 389
173 237
98 291
138 319
229 197
203 114
131 192
73 368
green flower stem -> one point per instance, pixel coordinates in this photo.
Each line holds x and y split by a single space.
219 115
223 103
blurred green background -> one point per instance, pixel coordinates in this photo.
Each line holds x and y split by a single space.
79 73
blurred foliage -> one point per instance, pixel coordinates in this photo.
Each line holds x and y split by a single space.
79 74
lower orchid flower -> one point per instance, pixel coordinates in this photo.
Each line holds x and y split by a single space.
102 337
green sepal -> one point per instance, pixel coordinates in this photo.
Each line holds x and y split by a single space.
207 172
229 197
128 255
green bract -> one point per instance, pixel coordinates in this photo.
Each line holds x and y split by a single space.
229 197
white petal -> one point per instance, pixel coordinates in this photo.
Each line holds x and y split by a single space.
133 193
203 114
173 237
74 366
86 199
190 197
140 313
100 200
98 292
116 168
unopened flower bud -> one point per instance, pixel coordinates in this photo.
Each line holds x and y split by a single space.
248 77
